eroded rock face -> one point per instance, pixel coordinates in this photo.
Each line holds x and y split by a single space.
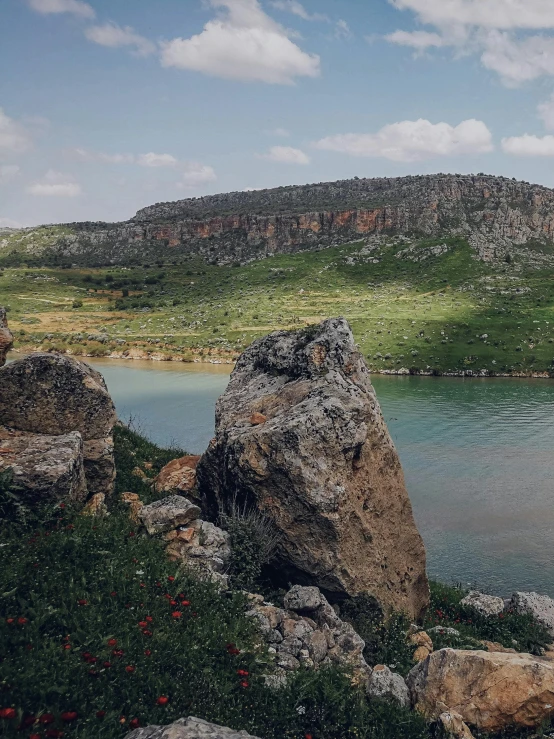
6 337
52 394
178 476
540 606
188 728
489 690
322 467
44 469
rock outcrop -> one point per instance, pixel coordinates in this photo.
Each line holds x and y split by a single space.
492 212
188 728
489 690
539 606
6 337
322 467
486 605
54 395
178 476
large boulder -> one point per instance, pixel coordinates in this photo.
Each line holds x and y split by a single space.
300 436
43 469
46 393
6 337
188 728
539 606
489 690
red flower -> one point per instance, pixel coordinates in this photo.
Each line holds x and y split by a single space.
147 632
82 602
185 603
162 700
112 642
10 620
308 736
244 683
171 578
107 664
100 714
131 533
134 723
232 649
176 614
158 584
66 646
172 602
135 560
69 716
62 505
22 621
168 596
113 593
143 624
242 673
147 652
7 713
117 652
70 526
46 718
129 668
149 619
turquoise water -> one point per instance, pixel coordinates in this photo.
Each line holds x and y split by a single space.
477 456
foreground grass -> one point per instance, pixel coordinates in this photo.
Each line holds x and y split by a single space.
99 633
444 312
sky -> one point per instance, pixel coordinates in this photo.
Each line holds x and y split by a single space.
107 106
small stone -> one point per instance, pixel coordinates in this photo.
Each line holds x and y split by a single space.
96 506
300 598
316 642
486 605
178 476
387 685
453 726
287 661
168 513
188 728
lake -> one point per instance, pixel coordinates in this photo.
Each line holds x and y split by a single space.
478 456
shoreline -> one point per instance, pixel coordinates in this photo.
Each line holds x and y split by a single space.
218 361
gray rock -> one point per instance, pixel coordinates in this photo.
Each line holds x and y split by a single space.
301 598
540 606
6 337
99 462
168 513
45 469
188 728
486 605
287 662
447 630
322 467
387 685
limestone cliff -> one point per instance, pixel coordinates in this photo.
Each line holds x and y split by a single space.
241 226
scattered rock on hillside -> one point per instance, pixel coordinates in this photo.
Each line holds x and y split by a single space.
45 469
188 728
489 690
179 476
202 545
453 726
322 467
387 685
486 605
52 394
134 503
6 337
168 513
540 606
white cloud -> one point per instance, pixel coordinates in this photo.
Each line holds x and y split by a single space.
419 40
286 155
156 160
546 113
8 172
14 139
55 184
195 174
114 36
75 7
9 223
342 29
242 43
296 8
414 141
529 146
518 61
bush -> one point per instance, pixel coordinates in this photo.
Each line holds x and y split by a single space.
77 304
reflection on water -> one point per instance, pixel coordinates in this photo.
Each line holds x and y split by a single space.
477 455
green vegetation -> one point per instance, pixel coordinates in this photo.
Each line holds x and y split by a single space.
427 305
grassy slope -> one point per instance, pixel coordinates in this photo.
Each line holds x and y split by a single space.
427 314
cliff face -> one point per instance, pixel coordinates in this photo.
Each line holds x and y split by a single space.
241 226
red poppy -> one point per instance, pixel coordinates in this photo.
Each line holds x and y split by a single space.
149 619
7 713
112 642
93 673
147 652
10 620
135 560
142 585
69 716
169 597
308 736
143 624
62 505
134 723
171 578
113 593
46 718
147 632
176 614
82 602
66 646
21 621
107 664
100 714
117 652
185 603
158 584
232 649
129 668
242 673
172 602
244 683
131 533
162 700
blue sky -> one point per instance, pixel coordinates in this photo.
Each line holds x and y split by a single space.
111 105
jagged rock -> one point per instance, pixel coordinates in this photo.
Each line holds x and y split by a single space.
387 685
201 545
45 469
453 727
486 605
6 337
540 606
422 639
96 506
322 467
421 653
301 598
188 728
134 503
53 394
490 690
168 513
178 476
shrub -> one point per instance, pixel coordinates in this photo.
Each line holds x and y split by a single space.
77 303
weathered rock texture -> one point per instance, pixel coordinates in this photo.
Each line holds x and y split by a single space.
490 211
168 513
487 605
44 469
540 606
489 690
178 476
6 337
188 728
322 467
51 394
